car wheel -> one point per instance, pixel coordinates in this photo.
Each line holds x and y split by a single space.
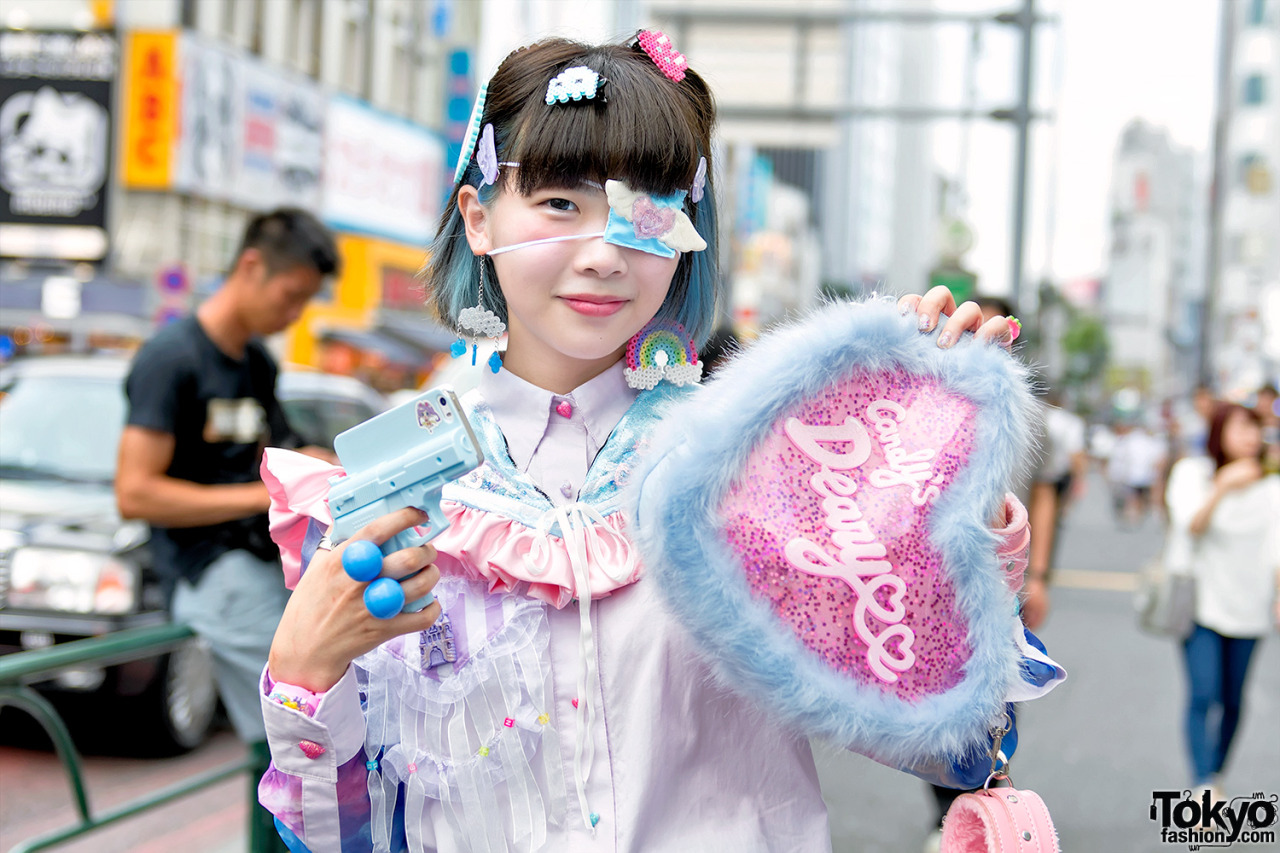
180 704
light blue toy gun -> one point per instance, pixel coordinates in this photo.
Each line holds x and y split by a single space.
402 457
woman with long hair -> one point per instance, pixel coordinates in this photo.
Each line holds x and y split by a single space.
1223 510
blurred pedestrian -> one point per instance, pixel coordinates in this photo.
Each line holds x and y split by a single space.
1195 429
1267 406
1134 470
202 406
1223 514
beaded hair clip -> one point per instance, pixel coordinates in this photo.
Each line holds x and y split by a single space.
664 55
473 134
574 84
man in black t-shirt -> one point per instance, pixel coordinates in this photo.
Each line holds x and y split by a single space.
202 407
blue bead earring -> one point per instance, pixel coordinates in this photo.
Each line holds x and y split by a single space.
479 320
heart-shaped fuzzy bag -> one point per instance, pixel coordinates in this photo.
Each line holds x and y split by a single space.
818 517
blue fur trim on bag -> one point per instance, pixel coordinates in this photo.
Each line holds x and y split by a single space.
702 444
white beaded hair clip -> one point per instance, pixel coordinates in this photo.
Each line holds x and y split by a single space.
574 84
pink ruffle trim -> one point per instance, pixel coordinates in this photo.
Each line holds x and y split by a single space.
486 545
477 544
1014 549
299 488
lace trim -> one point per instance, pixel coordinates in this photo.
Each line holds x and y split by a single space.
478 740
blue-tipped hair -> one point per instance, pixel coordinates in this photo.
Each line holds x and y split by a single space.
648 131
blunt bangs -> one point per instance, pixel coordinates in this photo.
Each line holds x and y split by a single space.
647 134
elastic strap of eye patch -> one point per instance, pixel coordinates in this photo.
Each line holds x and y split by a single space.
528 243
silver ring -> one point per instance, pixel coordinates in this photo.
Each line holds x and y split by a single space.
325 543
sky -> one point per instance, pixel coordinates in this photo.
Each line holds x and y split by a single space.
1104 63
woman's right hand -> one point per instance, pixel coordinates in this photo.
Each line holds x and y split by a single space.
326 624
1237 474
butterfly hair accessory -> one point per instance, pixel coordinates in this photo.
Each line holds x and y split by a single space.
574 84
699 181
487 157
664 55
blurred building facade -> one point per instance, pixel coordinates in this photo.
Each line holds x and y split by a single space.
225 108
819 197
1246 297
1152 292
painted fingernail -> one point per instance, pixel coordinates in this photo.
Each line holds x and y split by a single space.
944 340
904 310
1015 328
924 323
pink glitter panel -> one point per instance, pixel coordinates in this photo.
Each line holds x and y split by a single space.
836 501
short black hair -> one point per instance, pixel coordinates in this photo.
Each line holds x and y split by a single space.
289 237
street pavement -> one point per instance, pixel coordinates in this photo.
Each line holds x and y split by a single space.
1098 746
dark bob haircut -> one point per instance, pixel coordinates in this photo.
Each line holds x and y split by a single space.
647 130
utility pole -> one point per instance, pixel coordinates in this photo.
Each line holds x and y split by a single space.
1217 189
1025 19
1020 114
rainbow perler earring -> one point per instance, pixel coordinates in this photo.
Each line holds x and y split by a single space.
661 350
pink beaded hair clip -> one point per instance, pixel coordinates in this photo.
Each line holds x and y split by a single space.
664 55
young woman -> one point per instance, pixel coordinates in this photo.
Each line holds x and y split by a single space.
574 713
1223 512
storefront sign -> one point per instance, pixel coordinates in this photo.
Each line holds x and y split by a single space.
251 133
55 143
383 175
150 110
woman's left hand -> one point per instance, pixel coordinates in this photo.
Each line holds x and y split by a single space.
967 317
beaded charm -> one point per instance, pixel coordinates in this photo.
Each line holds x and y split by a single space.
664 55
661 351
473 134
574 84
479 321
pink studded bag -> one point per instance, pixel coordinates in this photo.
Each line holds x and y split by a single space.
999 820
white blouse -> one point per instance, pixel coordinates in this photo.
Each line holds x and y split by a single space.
1235 561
